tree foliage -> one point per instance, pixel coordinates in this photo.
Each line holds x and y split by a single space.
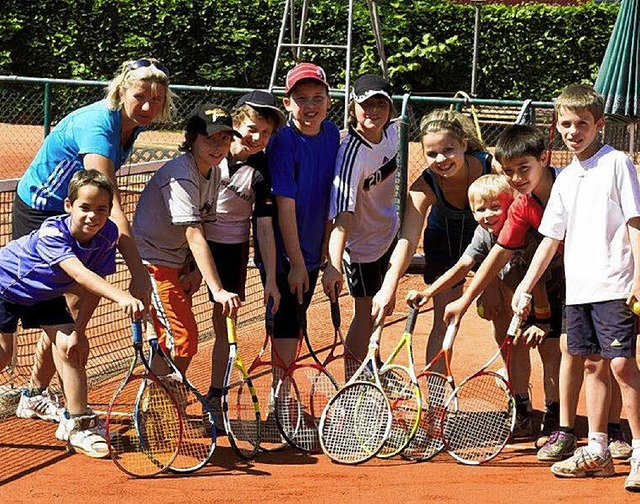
529 51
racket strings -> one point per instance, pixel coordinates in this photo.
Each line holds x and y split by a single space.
197 444
355 423
243 423
404 399
342 368
264 378
427 441
301 399
145 434
479 419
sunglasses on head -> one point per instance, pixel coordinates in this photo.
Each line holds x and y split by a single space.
147 63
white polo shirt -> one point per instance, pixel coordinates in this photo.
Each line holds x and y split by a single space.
590 205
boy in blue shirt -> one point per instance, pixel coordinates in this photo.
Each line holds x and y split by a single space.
301 159
68 253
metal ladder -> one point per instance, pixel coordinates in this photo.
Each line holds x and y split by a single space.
297 41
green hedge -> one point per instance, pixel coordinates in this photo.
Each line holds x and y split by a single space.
528 51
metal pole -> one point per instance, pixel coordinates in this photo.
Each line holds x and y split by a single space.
476 44
47 108
403 156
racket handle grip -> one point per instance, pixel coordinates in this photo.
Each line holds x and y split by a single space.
411 320
449 336
335 312
136 331
516 320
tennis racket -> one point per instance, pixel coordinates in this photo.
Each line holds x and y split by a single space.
400 385
143 423
198 429
481 411
340 363
240 407
265 372
435 389
301 396
357 421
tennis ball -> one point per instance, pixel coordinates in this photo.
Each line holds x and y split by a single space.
481 310
635 307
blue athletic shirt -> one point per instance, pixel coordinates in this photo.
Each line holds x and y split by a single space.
302 168
93 129
30 266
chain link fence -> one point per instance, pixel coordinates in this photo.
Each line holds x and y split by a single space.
29 107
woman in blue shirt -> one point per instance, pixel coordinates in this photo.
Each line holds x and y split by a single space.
98 136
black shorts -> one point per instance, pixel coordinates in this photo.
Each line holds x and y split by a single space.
365 279
44 313
607 328
442 251
231 262
26 219
285 320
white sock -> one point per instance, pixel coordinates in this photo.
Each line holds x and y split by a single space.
597 443
635 444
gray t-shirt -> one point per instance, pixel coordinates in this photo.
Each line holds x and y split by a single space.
514 271
177 195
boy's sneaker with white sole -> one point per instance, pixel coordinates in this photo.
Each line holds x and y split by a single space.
84 434
43 405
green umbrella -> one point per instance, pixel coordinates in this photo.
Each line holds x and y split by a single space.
619 76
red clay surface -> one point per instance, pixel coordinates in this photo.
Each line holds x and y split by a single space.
36 467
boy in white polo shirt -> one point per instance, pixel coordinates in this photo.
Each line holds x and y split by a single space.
595 208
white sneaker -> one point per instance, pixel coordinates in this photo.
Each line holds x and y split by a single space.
45 406
84 434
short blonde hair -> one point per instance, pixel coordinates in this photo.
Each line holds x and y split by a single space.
454 123
578 97
129 74
490 186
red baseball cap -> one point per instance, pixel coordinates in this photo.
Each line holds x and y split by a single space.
305 71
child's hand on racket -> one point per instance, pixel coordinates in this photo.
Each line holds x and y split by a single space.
133 307
454 312
534 335
298 281
383 304
416 299
332 281
521 311
230 302
271 292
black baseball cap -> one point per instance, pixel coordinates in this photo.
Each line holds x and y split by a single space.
369 85
262 101
210 118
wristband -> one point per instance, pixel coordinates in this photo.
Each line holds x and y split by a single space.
542 313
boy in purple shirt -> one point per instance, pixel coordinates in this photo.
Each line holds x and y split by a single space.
68 252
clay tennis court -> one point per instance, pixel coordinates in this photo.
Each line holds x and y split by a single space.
35 467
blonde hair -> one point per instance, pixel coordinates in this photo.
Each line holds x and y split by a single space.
489 186
454 123
127 75
578 97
